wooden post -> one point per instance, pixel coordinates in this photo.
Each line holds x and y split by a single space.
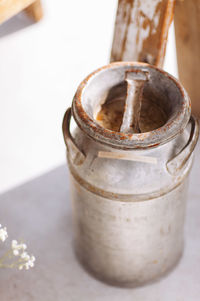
141 30
187 31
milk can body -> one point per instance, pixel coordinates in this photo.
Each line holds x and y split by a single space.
129 191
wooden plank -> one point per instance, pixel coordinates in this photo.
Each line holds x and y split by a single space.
141 30
35 11
9 8
187 31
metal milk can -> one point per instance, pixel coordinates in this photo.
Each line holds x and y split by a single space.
128 189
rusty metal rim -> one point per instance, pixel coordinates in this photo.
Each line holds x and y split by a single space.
130 141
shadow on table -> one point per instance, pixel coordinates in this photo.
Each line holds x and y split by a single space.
16 23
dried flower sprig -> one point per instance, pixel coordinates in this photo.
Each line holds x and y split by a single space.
24 260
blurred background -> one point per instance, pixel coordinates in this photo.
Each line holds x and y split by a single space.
41 66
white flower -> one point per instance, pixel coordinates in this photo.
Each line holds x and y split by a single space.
24 260
18 247
3 233
29 262
15 252
24 247
33 258
14 243
25 256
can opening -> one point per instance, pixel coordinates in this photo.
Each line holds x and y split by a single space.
110 114
100 102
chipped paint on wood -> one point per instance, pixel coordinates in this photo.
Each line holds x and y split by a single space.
141 30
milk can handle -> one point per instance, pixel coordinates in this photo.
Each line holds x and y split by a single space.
77 155
177 163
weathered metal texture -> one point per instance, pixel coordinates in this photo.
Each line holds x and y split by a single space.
187 31
128 243
129 214
161 87
141 30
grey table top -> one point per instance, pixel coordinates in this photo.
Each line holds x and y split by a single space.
39 212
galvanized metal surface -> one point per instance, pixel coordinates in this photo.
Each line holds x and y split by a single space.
141 30
129 215
128 243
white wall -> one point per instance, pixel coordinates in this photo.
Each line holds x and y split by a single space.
41 67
